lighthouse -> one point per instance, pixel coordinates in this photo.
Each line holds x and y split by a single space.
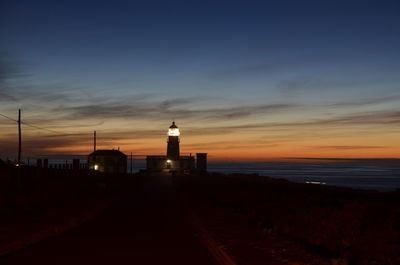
173 142
174 162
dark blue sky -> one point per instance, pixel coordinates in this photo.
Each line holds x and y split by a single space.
316 57
140 38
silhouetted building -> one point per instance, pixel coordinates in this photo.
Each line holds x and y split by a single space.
201 162
173 161
5 172
75 164
108 161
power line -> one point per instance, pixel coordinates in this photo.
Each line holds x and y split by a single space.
8 117
41 128
36 127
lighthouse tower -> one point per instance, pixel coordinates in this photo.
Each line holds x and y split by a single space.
173 142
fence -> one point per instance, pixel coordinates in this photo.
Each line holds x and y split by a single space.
10 173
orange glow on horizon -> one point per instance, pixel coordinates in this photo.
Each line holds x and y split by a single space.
249 144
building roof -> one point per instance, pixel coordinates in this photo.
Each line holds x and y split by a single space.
166 157
107 153
186 158
157 156
173 126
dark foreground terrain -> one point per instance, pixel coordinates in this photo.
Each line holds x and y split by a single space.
155 220
147 225
268 221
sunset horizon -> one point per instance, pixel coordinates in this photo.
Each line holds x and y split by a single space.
37 143
254 82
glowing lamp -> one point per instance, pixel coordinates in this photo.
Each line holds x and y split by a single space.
96 167
173 130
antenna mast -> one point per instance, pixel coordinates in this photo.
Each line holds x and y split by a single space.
94 141
19 137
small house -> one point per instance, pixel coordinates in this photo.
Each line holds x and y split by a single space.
108 161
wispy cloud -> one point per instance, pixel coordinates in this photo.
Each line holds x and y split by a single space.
373 161
178 108
353 122
262 68
267 67
227 145
311 83
8 70
131 118
349 147
367 101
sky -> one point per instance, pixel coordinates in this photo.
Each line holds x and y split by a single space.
243 80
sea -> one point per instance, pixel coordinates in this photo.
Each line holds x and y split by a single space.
381 177
369 176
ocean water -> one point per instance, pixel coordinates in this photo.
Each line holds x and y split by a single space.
378 176
382 177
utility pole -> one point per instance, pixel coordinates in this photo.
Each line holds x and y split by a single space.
19 137
94 150
94 142
131 164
